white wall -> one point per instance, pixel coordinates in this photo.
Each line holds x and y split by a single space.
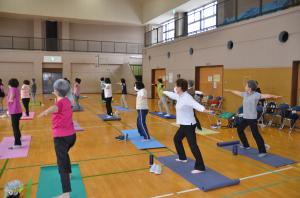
255 45
28 64
132 34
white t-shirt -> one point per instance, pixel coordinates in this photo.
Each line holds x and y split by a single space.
107 91
141 99
184 107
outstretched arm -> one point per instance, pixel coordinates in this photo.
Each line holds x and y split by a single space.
267 96
171 95
52 109
235 92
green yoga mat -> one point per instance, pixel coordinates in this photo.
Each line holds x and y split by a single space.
204 131
37 103
50 186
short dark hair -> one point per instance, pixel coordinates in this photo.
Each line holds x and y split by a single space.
26 82
78 80
139 85
123 80
160 80
1 81
102 79
13 82
182 83
252 85
107 81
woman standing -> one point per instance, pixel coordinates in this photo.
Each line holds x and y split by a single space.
250 101
25 95
15 110
142 110
2 95
186 119
124 94
76 93
108 96
33 90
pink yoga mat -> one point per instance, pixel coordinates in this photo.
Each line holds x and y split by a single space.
30 117
6 153
77 126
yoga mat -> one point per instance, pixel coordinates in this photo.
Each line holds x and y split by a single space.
136 139
120 108
163 115
208 180
37 103
221 144
105 117
204 132
30 117
77 126
49 185
270 159
6 153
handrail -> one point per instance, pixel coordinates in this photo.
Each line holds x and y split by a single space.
74 45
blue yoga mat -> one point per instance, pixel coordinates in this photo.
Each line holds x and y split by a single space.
120 108
135 138
105 117
50 185
270 159
208 180
163 115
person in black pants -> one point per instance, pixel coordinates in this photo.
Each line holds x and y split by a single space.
25 95
15 111
185 117
102 86
250 100
108 96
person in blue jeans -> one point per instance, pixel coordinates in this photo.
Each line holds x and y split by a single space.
250 101
142 110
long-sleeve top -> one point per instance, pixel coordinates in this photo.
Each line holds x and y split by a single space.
25 91
184 107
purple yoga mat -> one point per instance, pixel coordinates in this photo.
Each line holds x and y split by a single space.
77 126
30 117
6 153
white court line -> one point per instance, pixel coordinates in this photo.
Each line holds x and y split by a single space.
244 178
165 195
266 173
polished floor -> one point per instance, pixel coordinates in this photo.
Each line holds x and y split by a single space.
112 169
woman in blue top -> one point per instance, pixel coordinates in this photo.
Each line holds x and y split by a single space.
250 101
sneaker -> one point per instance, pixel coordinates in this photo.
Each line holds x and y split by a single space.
242 147
167 115
145 140
15 147
157 170
179 160
267 147
153 168
262 154
196 171
109 116
160 113
64 195
118 137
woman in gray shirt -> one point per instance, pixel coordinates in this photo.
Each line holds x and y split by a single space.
250 101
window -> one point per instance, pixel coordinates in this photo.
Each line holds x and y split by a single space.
168 30
202 19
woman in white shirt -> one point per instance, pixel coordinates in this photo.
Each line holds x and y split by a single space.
25 95
186 119
142 110
108 96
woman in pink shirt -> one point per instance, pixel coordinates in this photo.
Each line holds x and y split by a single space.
2 95
63 132
25 95
14 110
76 94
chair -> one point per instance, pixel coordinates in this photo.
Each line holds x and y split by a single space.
291 116
284 111
270 110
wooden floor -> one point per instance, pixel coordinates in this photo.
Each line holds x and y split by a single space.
112 169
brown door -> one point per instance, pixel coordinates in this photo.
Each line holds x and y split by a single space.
295 91
209 80
156 74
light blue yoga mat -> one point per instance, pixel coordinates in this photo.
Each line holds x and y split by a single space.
120 108
50 186
136 139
